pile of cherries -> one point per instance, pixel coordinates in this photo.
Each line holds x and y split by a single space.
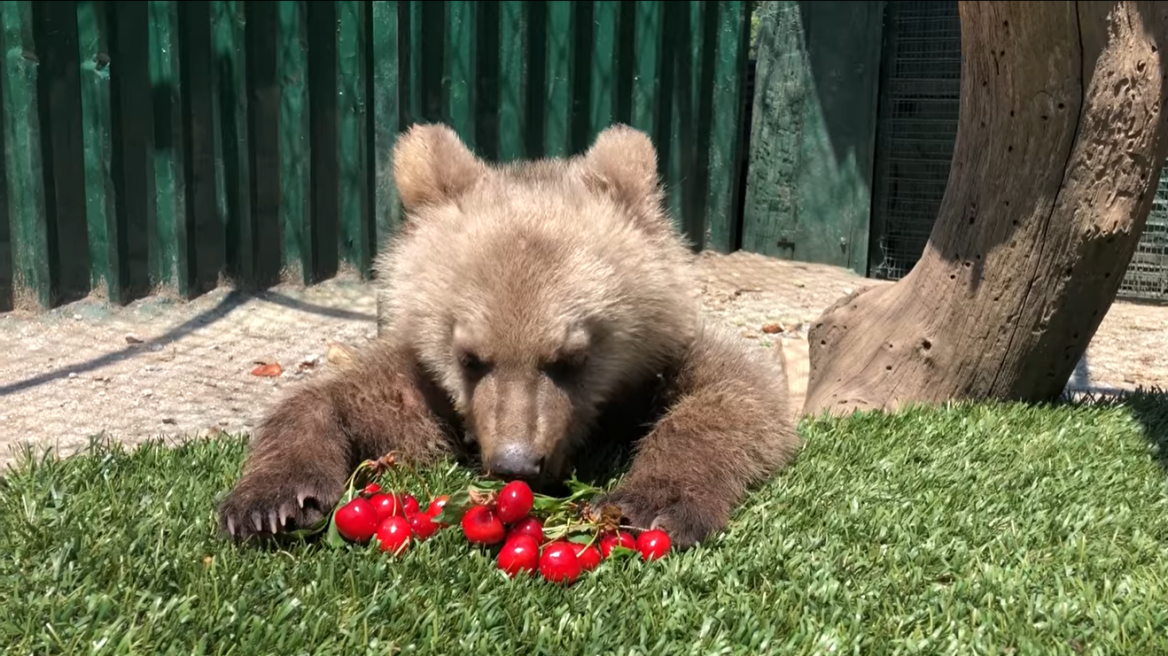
559 538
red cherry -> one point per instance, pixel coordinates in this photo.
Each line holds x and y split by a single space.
409 504
653 544
588 556
514 502
437 505
357 520
386 505
422 525
531 527
610 540
559 564
481 526
520 553
394 534
371 489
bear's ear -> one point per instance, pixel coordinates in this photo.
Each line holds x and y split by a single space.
622 162
431 164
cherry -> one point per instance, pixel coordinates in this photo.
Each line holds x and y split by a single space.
437 505
394 534
653 544
519 553
386 505
481 526
531 527
371 489
588 556
610 540
409 504
423 525
357 520
514 502
558 563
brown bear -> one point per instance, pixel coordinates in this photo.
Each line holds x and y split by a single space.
536 313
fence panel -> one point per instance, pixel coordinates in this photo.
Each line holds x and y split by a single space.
155 146
813 132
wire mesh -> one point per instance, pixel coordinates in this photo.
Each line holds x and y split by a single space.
1147 273
916 131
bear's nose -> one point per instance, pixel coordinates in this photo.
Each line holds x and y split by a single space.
516 461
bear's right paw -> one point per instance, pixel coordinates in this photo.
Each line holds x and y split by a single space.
265 504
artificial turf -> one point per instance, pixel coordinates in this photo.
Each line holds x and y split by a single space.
961 530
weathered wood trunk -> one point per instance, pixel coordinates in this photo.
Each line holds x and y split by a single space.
1058 155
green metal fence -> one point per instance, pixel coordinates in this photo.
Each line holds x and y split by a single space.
172 145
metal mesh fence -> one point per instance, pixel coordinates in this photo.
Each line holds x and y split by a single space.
917 127
1147 274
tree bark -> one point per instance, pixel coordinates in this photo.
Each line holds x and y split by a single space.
1059 148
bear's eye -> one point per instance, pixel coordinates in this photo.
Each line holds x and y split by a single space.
473 365
564 369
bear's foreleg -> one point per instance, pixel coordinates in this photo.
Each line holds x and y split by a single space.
727 428
307 446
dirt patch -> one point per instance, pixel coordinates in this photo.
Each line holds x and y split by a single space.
161 368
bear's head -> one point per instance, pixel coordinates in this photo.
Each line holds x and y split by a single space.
535 292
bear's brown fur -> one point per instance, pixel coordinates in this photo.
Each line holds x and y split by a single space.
535 313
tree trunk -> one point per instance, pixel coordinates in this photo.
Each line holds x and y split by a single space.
1058 154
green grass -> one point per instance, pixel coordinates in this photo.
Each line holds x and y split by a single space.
965 530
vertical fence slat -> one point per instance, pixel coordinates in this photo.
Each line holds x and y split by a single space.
96 117
133 137
166 101
322 100
459 74
512 79
486 79
645 70
429 21
675 109
6 243
233 173
295 130
558 81
22 155
605 63
262 35
386 117
55 26
207 235
357 234
725 84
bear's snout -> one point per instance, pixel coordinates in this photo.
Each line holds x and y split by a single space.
516 460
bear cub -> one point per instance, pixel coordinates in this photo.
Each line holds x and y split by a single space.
537 313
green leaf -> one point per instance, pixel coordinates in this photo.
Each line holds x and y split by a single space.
547 505
580 538
334 538
618 552
456 506
579 489
310 531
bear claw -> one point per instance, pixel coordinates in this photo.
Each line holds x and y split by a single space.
686 522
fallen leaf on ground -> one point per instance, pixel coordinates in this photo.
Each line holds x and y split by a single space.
272 370
133 339
772 328
308 363
339 353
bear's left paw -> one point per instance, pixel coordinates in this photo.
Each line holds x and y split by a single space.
687 520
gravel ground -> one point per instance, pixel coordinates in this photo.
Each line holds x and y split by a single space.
161 368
